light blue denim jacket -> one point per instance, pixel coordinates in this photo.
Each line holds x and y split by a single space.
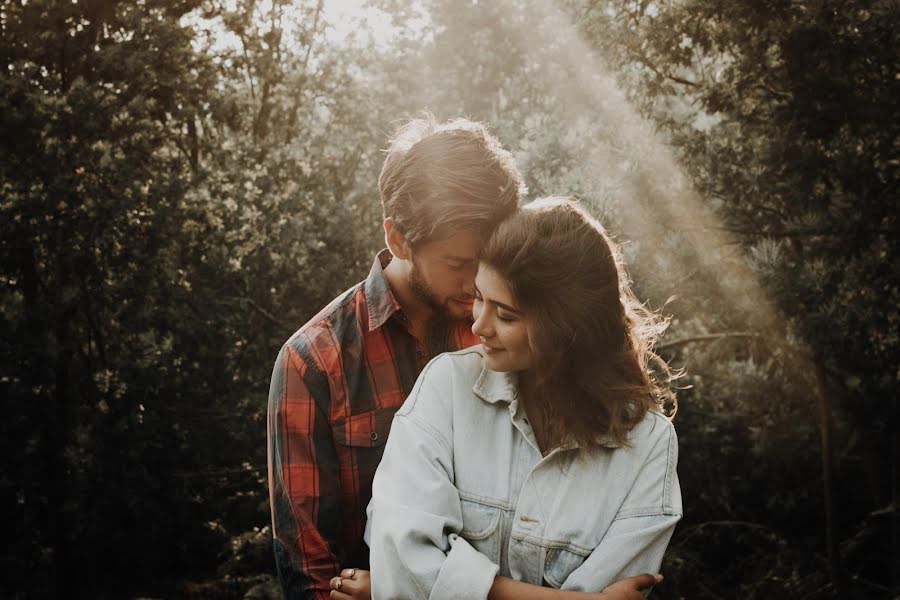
463 494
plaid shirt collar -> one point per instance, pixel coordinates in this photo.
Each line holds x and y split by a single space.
380 302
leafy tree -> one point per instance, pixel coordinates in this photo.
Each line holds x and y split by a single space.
784 114
97 100
173 208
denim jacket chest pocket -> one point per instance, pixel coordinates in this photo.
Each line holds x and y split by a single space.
481 527
562 547
572 534
560 562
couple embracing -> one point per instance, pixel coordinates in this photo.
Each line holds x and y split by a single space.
503 351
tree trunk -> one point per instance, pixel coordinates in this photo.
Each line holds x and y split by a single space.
895 505
54 448
831 541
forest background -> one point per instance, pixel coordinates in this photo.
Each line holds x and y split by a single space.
183 183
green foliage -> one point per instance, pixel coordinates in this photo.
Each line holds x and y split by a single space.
158 246
91 189
785 116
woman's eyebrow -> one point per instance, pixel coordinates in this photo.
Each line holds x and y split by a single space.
506 307
500 304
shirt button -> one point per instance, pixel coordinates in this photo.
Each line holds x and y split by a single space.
373 435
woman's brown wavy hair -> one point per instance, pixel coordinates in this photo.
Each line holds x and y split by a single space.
596 374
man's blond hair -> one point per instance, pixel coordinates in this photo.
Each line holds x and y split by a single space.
438 178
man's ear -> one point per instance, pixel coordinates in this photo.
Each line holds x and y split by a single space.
395 240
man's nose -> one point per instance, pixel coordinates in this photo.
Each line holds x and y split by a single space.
469 287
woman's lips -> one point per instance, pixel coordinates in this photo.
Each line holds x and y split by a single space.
490 349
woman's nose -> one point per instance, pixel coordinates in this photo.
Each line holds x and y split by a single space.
480 326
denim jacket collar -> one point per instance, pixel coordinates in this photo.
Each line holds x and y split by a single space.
494 386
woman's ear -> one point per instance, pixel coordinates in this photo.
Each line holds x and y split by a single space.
395 240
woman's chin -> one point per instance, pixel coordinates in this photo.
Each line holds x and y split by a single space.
494 364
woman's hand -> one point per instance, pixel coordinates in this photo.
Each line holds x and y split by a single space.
352 584
630 589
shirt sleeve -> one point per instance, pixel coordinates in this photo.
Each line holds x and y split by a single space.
638 537
415 516
303 482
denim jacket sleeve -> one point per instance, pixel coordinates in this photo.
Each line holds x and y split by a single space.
415 516
639 534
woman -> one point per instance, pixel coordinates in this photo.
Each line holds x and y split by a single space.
540 458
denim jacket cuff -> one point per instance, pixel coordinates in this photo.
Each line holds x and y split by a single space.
465 574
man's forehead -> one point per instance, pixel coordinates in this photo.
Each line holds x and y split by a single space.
461 246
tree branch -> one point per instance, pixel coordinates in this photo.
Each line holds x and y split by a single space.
706 338
647 63
261 311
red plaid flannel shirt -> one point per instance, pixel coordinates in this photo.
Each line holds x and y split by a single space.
335 387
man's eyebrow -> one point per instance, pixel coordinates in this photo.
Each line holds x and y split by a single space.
462 259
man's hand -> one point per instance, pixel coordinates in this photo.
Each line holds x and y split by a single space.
630 589
354 584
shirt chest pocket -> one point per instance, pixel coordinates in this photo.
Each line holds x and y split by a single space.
559 564
481 528
364 430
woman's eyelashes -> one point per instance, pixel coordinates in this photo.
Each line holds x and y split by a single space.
505 318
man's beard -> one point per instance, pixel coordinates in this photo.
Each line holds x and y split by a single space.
423 292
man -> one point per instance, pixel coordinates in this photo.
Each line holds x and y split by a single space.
338 381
